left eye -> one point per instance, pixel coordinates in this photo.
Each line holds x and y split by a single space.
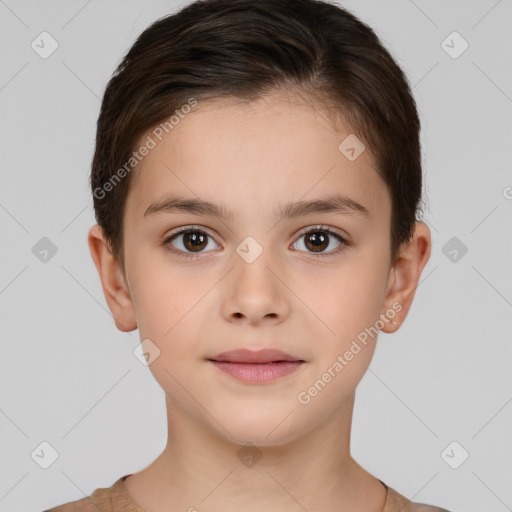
318 239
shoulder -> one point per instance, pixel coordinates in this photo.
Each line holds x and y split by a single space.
397 503
99 501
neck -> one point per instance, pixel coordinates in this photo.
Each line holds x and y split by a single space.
200 469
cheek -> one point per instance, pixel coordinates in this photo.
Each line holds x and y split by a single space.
168 311
173 308
345 339
166 294
346 305
342 299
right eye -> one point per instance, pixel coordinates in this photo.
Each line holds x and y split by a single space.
188 240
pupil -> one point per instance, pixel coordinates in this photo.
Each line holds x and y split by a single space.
317 241
196 239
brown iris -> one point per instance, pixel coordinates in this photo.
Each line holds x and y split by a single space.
318 240
195 240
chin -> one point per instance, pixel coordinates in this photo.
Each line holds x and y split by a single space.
274 427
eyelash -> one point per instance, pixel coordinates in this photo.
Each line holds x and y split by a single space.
313 229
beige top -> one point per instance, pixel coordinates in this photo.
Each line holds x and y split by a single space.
116 499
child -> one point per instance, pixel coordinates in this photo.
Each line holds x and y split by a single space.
256 180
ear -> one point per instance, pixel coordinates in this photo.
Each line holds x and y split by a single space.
404 276
112 280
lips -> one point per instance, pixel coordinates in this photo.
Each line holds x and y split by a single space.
254 357
254 368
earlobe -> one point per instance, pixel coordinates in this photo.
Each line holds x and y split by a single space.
112 279
405 275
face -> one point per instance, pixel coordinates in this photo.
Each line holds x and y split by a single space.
263 275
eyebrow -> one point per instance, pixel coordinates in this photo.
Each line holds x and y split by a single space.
338 203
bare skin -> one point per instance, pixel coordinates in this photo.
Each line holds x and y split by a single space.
253 158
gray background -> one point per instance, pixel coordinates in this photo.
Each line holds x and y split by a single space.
69 378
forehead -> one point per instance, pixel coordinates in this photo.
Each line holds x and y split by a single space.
255 155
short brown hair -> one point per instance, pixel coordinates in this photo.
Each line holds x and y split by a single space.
245 49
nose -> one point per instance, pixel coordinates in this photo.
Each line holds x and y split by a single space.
255 293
